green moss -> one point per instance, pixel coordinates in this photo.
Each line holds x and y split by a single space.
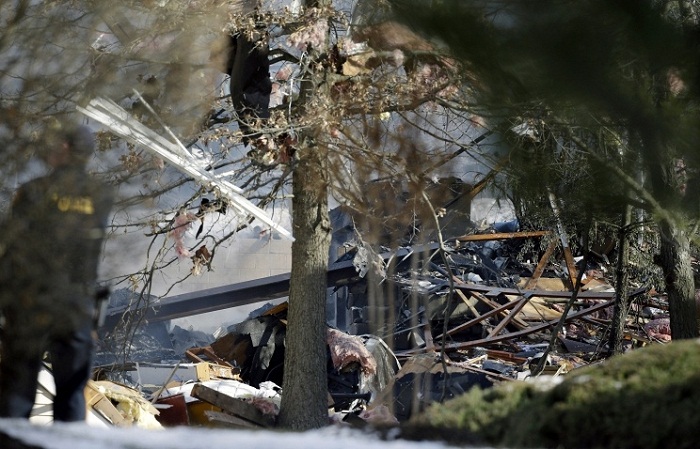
649 398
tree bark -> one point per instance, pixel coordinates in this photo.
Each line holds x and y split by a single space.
674 259
622 275
304 391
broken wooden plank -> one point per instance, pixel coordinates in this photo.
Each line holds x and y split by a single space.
532 282
476 291
478 319
540 309
511 316
522 333
505 355
468 303
570 266
196 355
511 335
221 419
542 293
520 324
95 399
528 331
233 406
494 292
208 371
501 236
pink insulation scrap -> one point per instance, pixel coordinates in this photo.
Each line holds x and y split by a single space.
659 328
346 349
265 406
181 225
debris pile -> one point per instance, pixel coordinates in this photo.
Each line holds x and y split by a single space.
470 313
462 314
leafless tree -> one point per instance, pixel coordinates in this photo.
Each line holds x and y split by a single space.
352 105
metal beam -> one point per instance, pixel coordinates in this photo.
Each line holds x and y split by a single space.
243 293
225 297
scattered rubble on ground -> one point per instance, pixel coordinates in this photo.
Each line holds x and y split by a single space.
470 314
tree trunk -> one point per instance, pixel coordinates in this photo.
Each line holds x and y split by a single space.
304 391
622 275
630 160
674 259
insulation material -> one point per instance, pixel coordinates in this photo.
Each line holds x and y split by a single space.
131 404
659 328
346 349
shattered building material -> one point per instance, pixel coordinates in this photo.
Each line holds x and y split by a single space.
423 380
212 367
539 269
346 349
151 377
354 374
119 121
104 404
491 314
197 400
522 298
233 406
96 400
222 419
256 346
209 371
130 403
173 410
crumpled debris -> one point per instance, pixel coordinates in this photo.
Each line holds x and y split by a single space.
379 416
346 349
266 398
181 224
361 260
366 259
659 328
265 406
133 407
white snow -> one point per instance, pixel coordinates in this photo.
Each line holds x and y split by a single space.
83 436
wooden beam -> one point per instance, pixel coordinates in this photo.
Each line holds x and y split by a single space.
232 405
520 324
221 419
477 320
501 236
468 303
528 331
532 282
543 293
570 266
513 314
